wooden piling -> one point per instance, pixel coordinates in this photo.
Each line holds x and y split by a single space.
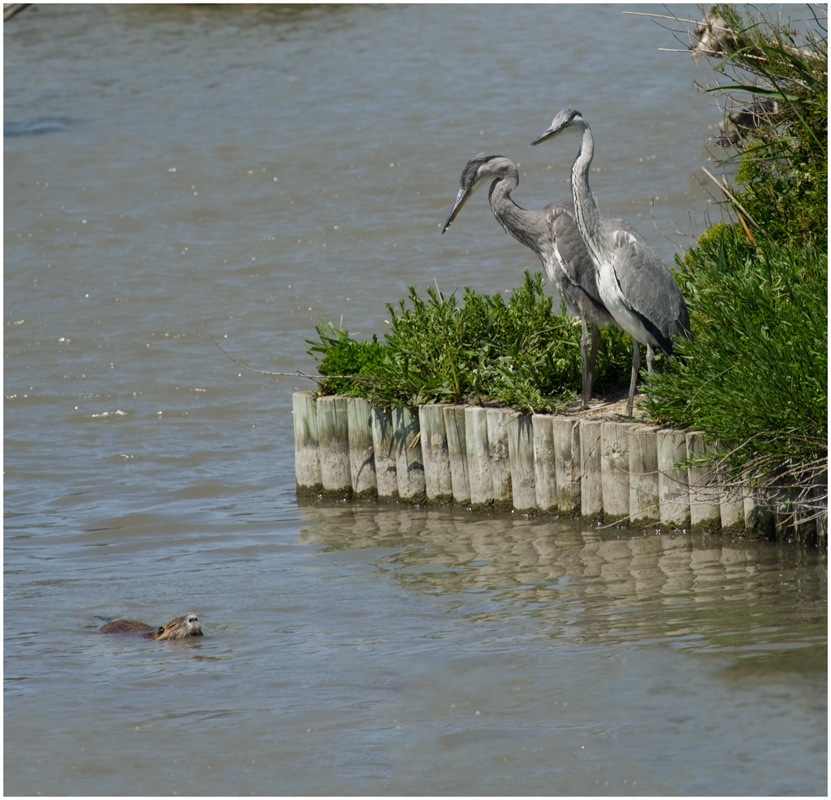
822 526
361 451
409 463
478 457
566 433
306 445
644 506
454 428
803 518
521 458
673 487
614 470
758 518
705 496
498 421
731 507
383 446
795 515
333 434
545 475
591 484
436 455
498 458
819 497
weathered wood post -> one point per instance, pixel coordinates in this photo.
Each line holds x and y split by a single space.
409 463
361 454
566 433
614 470
758 518
819 496
306 449
591 484
478 457
333 434
822 526
499 458
545 475
521 457
434 449
803 520
644 506
454 428
673 489
705 494
383 446
731 507
498 421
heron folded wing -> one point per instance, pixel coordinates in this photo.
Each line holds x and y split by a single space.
650 290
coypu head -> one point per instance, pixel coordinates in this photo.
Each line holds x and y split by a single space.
179 628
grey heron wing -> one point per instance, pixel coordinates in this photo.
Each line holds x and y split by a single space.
573 256
647 284
576 275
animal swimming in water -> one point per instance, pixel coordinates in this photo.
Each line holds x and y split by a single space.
179 628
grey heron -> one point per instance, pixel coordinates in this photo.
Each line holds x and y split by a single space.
552 233
636 287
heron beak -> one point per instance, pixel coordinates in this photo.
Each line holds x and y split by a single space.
547 135
460 201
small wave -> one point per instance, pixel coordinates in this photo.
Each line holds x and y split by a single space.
36 125
116 413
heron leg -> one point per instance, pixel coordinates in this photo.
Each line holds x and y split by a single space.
586 388
636 368
589 380
650 356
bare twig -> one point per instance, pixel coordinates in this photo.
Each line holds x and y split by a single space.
661 16
319 379
10 9
730 196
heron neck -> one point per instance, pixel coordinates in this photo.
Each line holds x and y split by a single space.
513 218
585 208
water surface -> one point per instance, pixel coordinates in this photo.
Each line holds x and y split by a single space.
177 173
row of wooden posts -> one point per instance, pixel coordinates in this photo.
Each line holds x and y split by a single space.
501 459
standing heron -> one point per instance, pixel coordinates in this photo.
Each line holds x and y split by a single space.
634 284
552 233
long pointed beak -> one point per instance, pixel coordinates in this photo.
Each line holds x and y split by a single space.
460 201
547 135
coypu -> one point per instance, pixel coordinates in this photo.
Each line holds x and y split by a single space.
179 628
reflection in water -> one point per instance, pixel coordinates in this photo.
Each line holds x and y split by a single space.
222 171
588 584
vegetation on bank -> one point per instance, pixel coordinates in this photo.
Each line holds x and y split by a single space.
483 349
753 377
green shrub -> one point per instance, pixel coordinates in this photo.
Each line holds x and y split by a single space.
483 350
348 365
783 167
755 375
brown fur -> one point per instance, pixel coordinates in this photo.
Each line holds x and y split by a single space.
179 628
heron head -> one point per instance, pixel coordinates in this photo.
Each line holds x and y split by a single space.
567 119
476 172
